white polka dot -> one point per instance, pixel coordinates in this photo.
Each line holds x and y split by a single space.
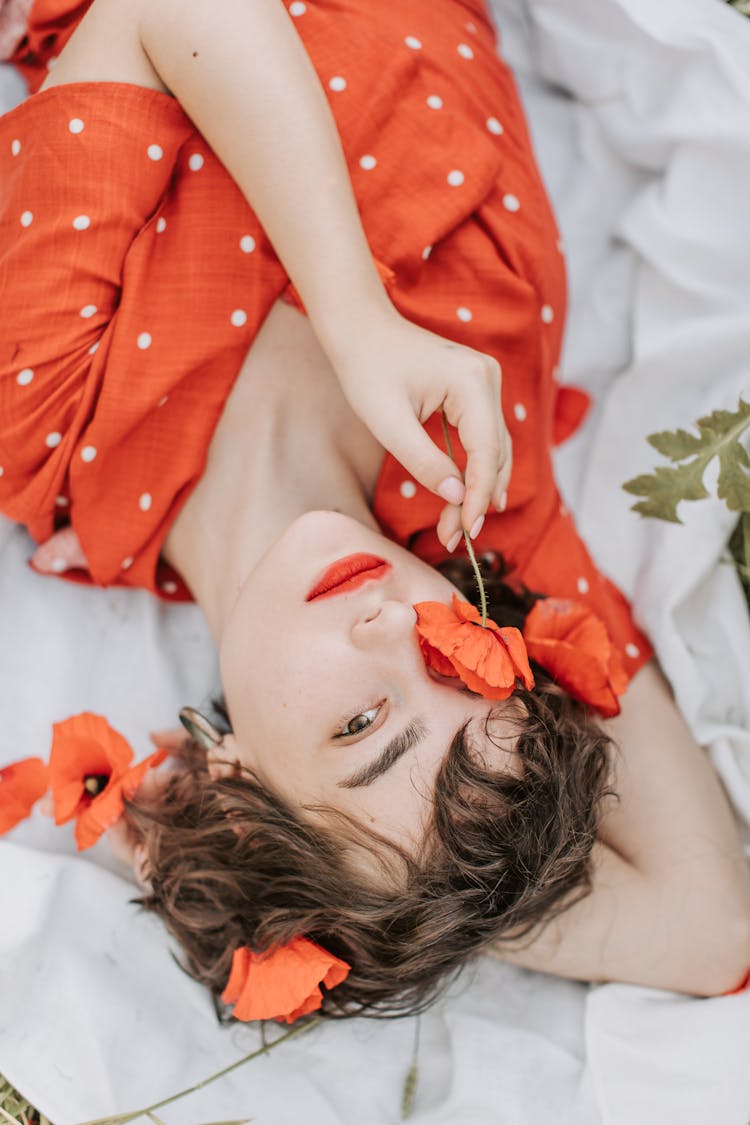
413 42
494 126
520 411
247 244
51 62
632 650
58 566
238 318
15 147
472 27
583 586
88 453
297 8
27 219
82 222
465 51
144 501
337 83
76 125
464 314
52 440
548 314
23 378
510 203
426 253
161 225
2 470
367 162
127 563
164 399
88 311
154 152
62 502
435 102
456 178
169 587
408 489
195 163
144 341
94 347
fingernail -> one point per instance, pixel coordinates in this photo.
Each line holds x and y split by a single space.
476 528
451 490
503 502
453 543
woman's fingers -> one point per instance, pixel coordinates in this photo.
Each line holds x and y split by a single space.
474 409
61 552
449 529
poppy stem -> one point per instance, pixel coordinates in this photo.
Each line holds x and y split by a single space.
467 540
121 1119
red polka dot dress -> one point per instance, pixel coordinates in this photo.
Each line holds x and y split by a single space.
134 277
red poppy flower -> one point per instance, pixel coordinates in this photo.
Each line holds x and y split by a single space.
284 984
91 775
574 646
488 659
21 786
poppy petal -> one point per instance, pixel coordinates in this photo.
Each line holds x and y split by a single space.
574 646
83 746
283 984
487 658
21 786
106 809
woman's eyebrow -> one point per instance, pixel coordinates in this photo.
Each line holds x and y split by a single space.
395 749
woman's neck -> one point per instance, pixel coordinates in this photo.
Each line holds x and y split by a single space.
287 443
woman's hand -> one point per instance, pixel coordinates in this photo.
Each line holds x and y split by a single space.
396 375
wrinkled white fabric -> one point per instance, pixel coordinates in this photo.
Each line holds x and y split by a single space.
641 118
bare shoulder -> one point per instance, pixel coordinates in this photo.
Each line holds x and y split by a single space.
670 801
106 47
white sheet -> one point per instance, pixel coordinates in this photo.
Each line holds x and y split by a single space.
643 135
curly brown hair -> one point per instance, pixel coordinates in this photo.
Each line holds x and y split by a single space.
232 863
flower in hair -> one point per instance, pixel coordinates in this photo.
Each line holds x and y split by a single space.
91 775
487 658
21 786
573 645
283 984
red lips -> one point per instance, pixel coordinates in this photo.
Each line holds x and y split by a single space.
349 574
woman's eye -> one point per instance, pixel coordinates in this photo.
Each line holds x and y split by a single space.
360 722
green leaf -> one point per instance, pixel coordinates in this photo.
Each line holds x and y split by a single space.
719 436
675 444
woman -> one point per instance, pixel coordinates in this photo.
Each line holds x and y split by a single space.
361 799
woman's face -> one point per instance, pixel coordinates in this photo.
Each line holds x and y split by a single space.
330 699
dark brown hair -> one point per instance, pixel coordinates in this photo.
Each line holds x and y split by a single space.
232 864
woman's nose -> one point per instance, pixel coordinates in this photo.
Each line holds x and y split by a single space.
384 623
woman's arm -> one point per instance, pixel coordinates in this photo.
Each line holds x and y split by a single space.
670 906
240 71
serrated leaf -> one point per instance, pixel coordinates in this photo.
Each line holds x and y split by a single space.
675 444
718 436
664 488
734 482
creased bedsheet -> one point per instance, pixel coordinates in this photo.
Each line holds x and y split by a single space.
641 116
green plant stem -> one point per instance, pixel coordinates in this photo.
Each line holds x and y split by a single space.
122 1119
467 540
